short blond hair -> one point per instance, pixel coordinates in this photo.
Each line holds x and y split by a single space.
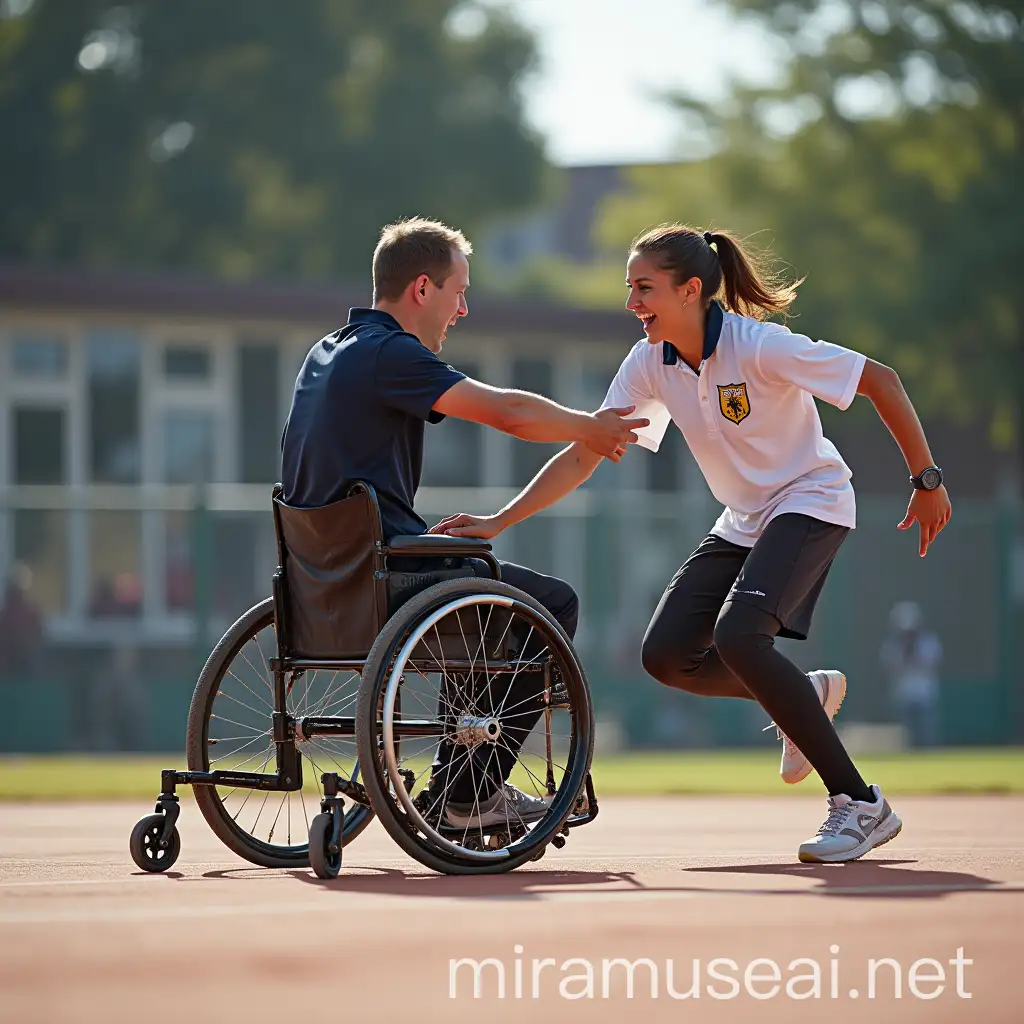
408 248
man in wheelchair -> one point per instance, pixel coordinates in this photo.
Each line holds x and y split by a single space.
361 401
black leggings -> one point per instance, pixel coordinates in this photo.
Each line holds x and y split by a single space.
714 631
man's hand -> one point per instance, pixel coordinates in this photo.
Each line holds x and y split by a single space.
932 511
609 433
463 525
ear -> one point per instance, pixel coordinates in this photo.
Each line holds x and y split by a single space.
691 289
418 290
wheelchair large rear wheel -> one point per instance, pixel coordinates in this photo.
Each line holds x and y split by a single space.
230 728
470 683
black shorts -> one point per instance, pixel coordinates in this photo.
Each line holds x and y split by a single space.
782 574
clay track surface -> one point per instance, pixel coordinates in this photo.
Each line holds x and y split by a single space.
85 937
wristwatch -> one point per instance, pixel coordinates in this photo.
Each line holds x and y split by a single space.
928 479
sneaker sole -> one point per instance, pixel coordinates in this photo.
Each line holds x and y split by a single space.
807 857
806 769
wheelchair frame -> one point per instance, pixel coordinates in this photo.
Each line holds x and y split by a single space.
161 826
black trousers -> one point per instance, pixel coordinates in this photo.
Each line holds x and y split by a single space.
520 694
713 633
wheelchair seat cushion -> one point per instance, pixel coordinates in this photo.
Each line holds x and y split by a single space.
402 586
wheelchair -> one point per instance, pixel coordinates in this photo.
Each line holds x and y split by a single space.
359 690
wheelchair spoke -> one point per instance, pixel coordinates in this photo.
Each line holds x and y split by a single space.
324 703
266 797
238 750
248 707
349 702
239 737
250 792
284 800
302 801
267 678
251 690
241 725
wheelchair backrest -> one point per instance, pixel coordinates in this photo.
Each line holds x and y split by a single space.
330 601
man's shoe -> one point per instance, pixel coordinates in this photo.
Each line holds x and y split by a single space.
831 688
507 807
851 829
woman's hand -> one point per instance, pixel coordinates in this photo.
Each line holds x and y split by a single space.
464 525
932 511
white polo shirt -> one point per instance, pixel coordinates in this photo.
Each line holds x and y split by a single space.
749 419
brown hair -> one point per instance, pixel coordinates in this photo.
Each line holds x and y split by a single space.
412 247
745 283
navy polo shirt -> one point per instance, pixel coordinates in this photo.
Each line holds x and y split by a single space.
358 411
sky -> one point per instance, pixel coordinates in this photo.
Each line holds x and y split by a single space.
605 63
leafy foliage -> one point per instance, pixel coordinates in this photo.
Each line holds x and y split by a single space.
248 138
888 169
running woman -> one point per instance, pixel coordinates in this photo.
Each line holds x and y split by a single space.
741 390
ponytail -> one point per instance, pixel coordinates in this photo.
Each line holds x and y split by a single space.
744 283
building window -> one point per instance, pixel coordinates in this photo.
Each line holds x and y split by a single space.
594 383
114 400
40 535
452 449
38 446
42 356
259 423
187 363
536 375
178 576
188 446
115 586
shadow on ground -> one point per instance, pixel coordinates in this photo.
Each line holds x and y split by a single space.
878 879
867 878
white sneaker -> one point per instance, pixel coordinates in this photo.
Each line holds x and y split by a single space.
509 806
851 829
831 688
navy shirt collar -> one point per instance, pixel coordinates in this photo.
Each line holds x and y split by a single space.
366 315
712 332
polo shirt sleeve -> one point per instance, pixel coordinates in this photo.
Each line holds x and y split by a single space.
829 372
410 378
631 386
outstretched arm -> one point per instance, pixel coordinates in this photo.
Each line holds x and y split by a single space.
882 385
535 418
562 474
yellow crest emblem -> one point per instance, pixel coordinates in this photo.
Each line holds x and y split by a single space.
732 398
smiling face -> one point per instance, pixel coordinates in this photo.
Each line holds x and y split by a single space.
443 306
665 308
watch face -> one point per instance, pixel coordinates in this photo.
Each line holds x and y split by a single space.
930 479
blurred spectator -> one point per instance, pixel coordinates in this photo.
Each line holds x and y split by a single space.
911 655
121 596
118 705
21 626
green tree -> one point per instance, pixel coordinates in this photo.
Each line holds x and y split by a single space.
888 169
250 137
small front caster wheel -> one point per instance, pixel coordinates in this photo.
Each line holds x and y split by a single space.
145 846
324 863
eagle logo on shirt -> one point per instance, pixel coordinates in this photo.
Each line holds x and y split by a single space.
733 401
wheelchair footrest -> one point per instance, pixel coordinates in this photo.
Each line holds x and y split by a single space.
169 779
586 806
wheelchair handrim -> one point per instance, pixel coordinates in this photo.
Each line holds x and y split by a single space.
544 828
